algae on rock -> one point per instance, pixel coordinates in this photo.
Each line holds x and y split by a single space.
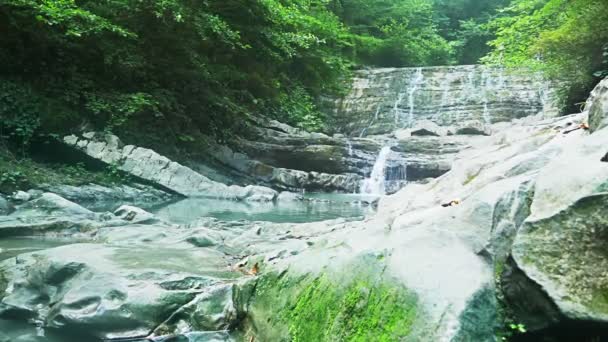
333 306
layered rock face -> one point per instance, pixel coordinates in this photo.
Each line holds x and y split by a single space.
150 166
418 112
424 115
383 100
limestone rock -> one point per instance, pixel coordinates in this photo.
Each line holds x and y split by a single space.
472 128
134 214
380 101
428 128
94 193
152 167
119 293
21 196
50 203
597 106
565 255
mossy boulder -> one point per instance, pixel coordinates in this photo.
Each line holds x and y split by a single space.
333 306
598 106
566 255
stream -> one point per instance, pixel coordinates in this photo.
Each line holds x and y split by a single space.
313 207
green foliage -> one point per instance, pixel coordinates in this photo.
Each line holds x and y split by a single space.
394 33
462 23
23 174
19 112
359 307
298 109
362 311
167 69
168 66
511 330
564 38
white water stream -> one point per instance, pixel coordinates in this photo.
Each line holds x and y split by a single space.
376 183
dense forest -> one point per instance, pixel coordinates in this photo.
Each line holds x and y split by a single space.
169 69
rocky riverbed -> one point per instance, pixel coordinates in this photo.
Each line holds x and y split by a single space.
511 233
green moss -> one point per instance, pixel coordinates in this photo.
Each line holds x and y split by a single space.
323 309
599 301
24 174
472 177
360 312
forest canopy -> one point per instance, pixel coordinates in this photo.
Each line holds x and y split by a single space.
166 69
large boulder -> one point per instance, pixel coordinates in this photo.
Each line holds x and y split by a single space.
150 166
565 255
53 215
134 215
95 194
53 204
120 293
598 106
560 250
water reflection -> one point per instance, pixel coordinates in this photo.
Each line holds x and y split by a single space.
315 207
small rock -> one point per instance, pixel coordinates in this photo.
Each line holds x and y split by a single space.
52 203
201 241
428 128
472 128
21 196
134 214
598 106
287 196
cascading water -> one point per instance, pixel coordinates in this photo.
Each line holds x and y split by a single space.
396 105
350 147
374 119
418 79
376 183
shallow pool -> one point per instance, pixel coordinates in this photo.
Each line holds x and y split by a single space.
315 207
13 246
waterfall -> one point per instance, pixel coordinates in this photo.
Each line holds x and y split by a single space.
374 119
486 112
376 183
418 79
396 105
350 147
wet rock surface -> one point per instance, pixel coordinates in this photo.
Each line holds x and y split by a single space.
597 105
95 195
382 98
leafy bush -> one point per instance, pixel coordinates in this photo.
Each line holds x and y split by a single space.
564 38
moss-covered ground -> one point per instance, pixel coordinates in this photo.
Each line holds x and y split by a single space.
21 173
330 307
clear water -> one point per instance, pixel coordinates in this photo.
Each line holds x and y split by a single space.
15 331
315 207
13 246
